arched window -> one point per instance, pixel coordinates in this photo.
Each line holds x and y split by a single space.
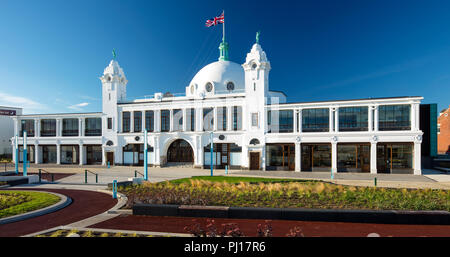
254 141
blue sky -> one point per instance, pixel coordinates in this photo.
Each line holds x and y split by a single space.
52 53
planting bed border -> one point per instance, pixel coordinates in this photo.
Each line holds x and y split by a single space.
298 214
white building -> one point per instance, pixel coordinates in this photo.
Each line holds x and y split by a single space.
7 129
252 126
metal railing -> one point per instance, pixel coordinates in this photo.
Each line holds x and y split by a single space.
136 172
86 176
40 175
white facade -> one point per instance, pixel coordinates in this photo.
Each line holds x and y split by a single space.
253 127
7 128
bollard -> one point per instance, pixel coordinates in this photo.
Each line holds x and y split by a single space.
226 169
114 188
53 177
85 176
375 181
108 165
96 178
135 173
40 175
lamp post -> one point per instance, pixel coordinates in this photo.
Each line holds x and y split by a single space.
16 142
145 156
25 153
212 153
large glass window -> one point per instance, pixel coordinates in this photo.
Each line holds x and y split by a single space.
395 158
353 157
394 117
28 126
222 118
316 157
70 127
315 120
280 156
237 117
165 120
353 118
137 117
190 119
30 153
48 128
126 122
150 121
281 121
177 120
70 154
208 119
93 127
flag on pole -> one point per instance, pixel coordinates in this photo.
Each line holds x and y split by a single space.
216 20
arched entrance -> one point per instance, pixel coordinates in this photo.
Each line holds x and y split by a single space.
180 151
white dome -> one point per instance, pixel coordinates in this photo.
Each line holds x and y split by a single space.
219 74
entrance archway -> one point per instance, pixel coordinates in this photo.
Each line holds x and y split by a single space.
180 151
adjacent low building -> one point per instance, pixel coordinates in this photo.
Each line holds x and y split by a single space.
251 126
7 129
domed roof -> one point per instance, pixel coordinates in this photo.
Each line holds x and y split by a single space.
214 78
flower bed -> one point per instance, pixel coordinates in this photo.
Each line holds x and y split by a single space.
308 194
18 202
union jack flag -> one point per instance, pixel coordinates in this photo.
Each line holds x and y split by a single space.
216 20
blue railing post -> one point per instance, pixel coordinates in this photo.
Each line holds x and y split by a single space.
96 178
145 156
226 169
25 153
85 176
40 175
108 165
114 188
212 154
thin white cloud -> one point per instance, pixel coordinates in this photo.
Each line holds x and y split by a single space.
78 107
28 105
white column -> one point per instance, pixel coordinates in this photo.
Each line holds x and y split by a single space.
300 120
36 153
413 117
334 157
200 118
171 120
417 117
215 118
373 157
184 119
298 155
229 118
331 120
103 156
58 153
157 151
295 121
376 118
417 158
58 127
37 128
157 121
16 127
336 119
370 118
143 121
81 154
83 125
131 121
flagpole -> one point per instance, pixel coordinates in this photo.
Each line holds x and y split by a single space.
223 39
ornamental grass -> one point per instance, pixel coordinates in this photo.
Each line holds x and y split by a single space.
308 194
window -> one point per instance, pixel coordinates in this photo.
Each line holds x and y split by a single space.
230 86
48 128
190 119
208 119
315 120
281 121
208 87
93 127
70 127
137 121
255 119
222 118
353 118
237 118
109 123
126 122
165 120
28 126
394 117
177 120
150 121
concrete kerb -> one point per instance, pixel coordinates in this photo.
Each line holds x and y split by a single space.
102 230
64 201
